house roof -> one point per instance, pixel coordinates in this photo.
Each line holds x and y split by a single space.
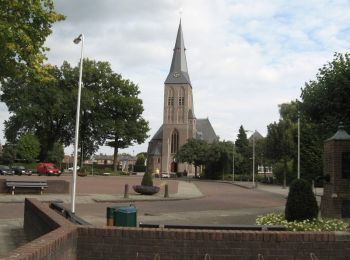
341 134
178 73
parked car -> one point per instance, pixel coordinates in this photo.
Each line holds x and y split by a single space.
165 175
5 170
48 169
70 169
21 170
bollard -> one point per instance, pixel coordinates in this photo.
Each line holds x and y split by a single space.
126 191
166 191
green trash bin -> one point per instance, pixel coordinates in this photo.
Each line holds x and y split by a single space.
110 214
125 217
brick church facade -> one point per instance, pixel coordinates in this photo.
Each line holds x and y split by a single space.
179 120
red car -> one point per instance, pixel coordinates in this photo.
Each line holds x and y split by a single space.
48 169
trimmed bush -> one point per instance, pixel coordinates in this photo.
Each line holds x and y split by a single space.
147 179
301 202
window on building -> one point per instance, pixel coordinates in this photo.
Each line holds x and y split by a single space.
174 142
181 101
170 101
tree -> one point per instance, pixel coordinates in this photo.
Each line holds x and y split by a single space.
219 159
140 163
28 147
280 145
193 152
9 154
24 27
56 155
326 100
123 124
41 106
243 151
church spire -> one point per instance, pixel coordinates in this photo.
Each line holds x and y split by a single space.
178 73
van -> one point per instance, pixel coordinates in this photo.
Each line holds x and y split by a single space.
47 169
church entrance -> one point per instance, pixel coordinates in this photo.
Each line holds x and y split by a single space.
173 167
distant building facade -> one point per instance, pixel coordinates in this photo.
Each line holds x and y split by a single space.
179 120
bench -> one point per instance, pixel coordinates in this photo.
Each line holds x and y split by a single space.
26 184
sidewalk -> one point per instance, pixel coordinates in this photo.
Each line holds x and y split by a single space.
186 190
276 189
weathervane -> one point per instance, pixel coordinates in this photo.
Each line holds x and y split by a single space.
180 12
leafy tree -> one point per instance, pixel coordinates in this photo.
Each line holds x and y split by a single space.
243 151
193 152
123 124
8 154
301 201
219 159
24 27
140 163
28 147
280 145
40 106
326 100
56 155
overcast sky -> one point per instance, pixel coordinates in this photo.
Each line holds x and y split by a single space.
244 57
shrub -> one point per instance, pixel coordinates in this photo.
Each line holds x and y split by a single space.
147 179
301 202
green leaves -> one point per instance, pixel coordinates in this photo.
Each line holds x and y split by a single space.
24 27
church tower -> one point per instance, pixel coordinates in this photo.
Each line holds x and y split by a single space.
179 122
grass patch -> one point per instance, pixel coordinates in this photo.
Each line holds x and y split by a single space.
318 224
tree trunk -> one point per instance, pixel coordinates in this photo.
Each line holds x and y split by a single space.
115 159
195 171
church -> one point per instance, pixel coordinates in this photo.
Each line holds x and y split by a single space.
179 120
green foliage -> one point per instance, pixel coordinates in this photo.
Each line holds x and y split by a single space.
242 162
8 154
193 152
326 98
56 154
301 202
279 170
24 28
28 147
147 179
219 159
140 163
277 219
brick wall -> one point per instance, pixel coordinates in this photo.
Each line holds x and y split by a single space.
134 243
53 237
59 239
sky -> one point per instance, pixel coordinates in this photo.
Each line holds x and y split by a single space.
245 57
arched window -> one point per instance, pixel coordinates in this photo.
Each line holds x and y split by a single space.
174 145
170 97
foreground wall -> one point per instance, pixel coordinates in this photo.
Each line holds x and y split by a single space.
56 238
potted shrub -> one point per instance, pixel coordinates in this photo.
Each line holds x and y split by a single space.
146 187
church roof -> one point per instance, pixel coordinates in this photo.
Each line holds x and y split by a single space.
159 134
178 73
205 131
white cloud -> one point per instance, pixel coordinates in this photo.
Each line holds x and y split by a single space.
244 57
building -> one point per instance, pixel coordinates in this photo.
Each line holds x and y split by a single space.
179 120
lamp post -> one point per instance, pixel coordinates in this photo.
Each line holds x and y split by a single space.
298 145
253 132
77 40
233 162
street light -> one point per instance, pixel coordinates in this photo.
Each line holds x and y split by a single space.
233 162
253 135
77 40
298 145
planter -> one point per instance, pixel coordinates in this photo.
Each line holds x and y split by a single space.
146 190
